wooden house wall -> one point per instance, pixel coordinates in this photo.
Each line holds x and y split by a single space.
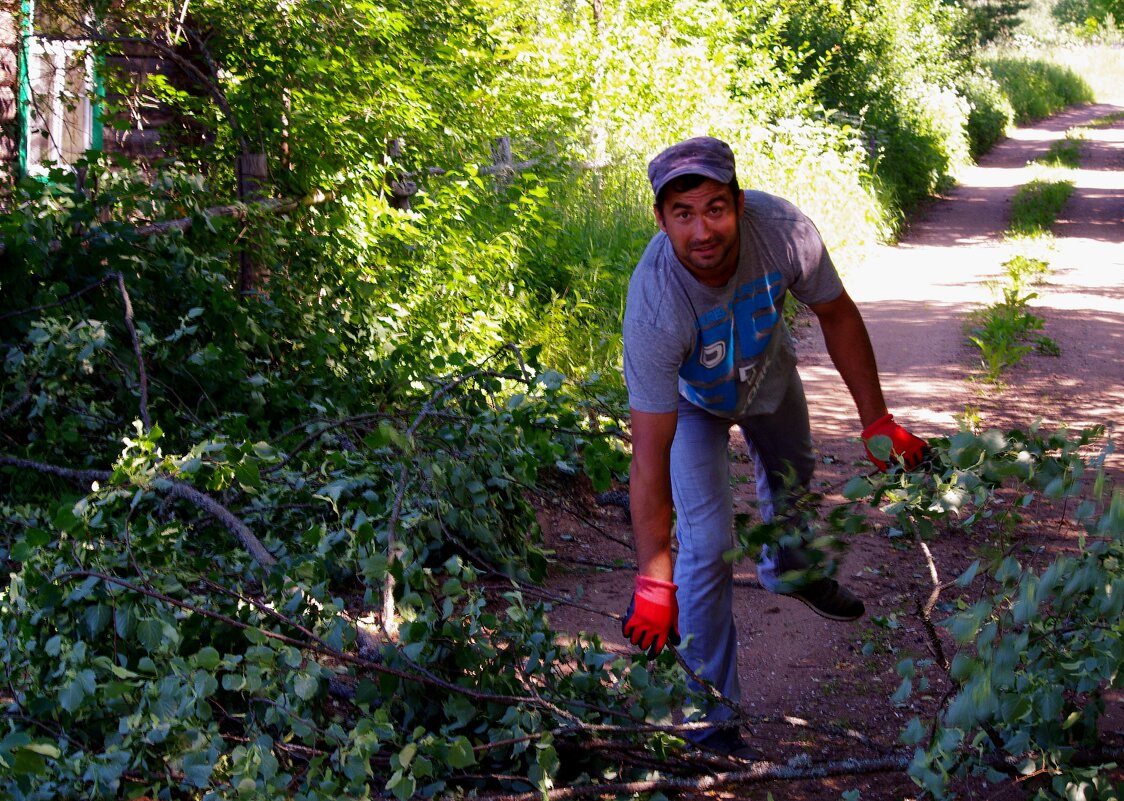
9 90
139 130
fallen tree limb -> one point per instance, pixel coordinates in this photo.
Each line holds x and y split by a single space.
62 301
169 486
925 610
142 376
754 774
318 645
389 614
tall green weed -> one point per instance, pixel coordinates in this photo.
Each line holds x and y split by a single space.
1100 65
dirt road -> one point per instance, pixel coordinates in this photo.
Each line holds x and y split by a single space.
915 298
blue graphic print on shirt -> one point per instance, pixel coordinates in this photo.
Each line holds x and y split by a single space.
712 372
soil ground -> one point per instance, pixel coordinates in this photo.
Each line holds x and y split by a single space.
916 298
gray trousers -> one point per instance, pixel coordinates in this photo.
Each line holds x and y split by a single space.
700 484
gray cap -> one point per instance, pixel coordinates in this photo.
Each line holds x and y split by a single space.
703 155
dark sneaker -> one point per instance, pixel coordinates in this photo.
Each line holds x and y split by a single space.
728 743
828 598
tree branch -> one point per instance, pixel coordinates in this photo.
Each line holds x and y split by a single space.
91 34
236 210
184 491
756 773
170 486
60 302
142 376
389 615
925 611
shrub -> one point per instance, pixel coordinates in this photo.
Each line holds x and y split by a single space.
889 69
1038 88
990 111
1081 13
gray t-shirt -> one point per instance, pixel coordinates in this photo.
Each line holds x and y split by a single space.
724 349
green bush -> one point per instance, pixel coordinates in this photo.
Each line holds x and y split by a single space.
1082 13
889 70
1037 88
206 496
1025 645
990 111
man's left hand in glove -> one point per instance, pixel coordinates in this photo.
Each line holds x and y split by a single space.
912 450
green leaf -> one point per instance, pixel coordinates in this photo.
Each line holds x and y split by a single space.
306 686
75 691
407 754
84 589
881 447
968 575
207 658
97 617
461 754
857 488
150 632
913 733
248 474
49 750
402 785
366 692
460 709
26 763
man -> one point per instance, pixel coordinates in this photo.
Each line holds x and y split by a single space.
705 348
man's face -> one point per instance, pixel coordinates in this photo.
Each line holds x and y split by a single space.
702 225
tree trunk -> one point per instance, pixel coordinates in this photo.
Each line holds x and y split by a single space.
252 177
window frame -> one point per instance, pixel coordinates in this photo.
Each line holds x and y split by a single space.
94 94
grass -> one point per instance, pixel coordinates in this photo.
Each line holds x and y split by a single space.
1101 67
1006 331
1036 206
1106 121
1065 153
602 220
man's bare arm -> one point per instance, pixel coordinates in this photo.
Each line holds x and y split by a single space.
650 491
848 344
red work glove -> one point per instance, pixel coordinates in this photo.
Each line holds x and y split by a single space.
912 449
652 619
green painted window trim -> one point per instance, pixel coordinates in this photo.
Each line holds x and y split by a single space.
97 100
24 83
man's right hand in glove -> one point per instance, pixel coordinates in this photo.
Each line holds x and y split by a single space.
652 619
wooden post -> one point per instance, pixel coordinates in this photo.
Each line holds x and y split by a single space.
253 173
286 113
503 162
400 187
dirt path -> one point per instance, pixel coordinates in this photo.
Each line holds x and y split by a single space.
915 297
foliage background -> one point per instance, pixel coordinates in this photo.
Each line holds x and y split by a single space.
248 539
